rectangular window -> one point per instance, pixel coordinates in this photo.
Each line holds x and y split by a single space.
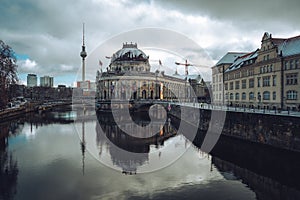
226 86
296 64
220 87
266 81
226 77
258 81
251 72
237 85
266 95
292 95
244 73
231 86
274 80
244 83
251 83
291 64
292 79
286 65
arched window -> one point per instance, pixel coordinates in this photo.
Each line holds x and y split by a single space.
243 96
266 95
231 96
237 96
251 95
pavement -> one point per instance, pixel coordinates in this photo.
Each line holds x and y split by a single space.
238 109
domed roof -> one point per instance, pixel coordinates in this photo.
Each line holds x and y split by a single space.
129 52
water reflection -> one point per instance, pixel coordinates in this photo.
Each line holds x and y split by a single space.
126 151
271 173
55 158
8 165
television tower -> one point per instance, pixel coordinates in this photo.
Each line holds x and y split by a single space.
83 54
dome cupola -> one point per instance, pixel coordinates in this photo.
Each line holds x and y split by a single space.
129 58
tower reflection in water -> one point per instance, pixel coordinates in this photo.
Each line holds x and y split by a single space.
127 151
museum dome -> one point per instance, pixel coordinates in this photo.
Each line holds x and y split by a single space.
129 52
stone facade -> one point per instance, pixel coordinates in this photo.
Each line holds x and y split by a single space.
218 74
264 78
128 77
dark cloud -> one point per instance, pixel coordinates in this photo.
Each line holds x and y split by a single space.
242 13
50 32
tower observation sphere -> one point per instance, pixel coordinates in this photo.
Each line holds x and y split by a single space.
83 53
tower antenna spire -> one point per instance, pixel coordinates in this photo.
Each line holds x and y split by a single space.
83 34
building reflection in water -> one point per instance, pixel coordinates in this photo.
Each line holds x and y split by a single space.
127 151
9 169
273 174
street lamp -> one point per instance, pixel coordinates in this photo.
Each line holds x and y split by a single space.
156 84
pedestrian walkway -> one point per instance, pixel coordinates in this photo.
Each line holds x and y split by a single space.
239 109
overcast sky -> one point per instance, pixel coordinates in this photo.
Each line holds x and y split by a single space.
47 35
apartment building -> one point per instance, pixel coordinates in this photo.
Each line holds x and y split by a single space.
218 74
264 78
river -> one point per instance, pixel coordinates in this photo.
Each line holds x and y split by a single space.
55 155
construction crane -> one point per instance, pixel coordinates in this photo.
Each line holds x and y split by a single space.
186 64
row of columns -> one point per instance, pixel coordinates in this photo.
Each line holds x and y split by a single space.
146 89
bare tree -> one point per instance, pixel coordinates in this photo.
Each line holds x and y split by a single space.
8 71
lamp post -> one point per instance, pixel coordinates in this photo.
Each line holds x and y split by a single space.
259 100
156 85
185 89
285 104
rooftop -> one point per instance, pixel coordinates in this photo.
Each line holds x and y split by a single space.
240 61
230 57
290 46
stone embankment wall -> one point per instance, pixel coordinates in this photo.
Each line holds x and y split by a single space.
275 130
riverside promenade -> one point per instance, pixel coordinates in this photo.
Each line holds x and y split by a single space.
240 109
35 106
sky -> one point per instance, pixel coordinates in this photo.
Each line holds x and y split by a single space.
47 35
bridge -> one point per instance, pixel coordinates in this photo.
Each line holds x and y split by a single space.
131 104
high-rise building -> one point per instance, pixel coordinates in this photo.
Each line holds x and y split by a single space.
31 80
46 81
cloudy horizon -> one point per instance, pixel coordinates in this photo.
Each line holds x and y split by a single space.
47 36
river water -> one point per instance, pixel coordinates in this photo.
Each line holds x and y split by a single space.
56 156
